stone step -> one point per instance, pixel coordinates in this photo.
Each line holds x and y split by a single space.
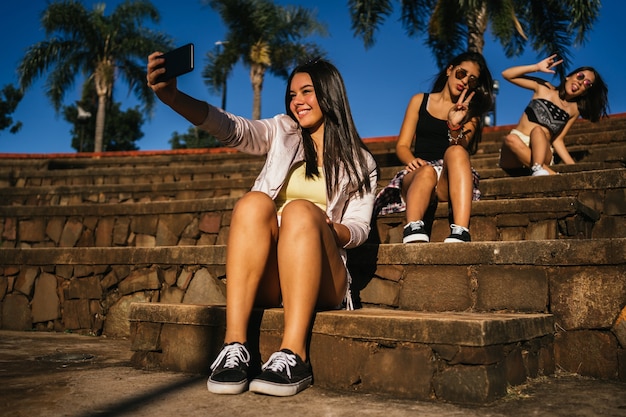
507 220
60 195
148 224
594 146
486 173
609 153
206 222
235 186
573 141
131 175
601 183
613 122
121 159
133 167
453 357
582 283
523 276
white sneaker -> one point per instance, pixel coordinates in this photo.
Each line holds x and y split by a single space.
539 171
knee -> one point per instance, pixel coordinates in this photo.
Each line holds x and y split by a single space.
537 132
300 215
455 154
511 141
254 205
300 210
423 177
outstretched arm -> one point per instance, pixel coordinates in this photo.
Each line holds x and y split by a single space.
518 75
195 111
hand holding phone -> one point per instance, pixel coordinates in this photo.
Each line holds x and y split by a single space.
177 62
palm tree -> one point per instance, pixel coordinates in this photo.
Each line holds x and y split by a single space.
102 48
265 37
453 26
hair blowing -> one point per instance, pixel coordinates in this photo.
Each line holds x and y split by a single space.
342 143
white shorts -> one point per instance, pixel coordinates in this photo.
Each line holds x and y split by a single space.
523 137
526 139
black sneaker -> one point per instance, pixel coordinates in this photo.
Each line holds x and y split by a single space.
415 232
459 234
284 374
230 370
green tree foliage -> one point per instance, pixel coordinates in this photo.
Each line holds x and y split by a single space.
9 99
103 49
121 132
454 26
194 138
265 37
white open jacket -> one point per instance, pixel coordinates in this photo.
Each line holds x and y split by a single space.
280 139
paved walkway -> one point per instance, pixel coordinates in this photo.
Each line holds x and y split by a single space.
60 374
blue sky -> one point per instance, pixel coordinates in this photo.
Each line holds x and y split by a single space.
380 80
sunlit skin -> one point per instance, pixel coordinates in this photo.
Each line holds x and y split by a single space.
514 152
450 104
302 270
306 109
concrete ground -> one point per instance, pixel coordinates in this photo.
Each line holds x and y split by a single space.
62 374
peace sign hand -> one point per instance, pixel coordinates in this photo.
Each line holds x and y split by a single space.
459 110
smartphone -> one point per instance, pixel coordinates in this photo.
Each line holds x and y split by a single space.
177 62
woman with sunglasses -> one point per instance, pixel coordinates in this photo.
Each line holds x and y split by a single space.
439 132
550 114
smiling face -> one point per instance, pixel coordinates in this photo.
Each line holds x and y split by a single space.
304 105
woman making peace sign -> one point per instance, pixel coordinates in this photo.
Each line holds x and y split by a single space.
438 133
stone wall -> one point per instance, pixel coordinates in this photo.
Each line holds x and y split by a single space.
96 299
64 292
145 225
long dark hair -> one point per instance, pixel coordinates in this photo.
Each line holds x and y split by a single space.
482 102
593 104
342 143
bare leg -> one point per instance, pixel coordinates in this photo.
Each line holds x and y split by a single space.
540 147
251 268
312 273
514 153
418 189
456 184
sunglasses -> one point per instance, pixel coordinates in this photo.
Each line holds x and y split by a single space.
586 83
472 82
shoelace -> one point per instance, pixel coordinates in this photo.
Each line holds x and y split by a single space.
235 354
279 361
416 225
457 230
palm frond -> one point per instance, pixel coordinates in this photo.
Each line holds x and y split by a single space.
367 16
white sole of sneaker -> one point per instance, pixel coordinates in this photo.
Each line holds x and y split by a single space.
453 240
226 387
279 390
416 238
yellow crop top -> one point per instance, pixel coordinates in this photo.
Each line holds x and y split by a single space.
298 187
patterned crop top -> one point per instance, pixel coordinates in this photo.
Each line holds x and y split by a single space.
547 114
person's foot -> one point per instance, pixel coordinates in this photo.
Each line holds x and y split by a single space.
538 171
458 234
415 232
284 374
230 370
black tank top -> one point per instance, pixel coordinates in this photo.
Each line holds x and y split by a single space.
431 135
